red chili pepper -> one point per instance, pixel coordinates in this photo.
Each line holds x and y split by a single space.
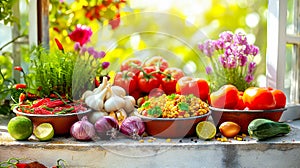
20 86
18 68
39 88
56 29
54 103
59 45
25 108
52 95
22 165
40 102
39 110
31 95
97 83
22 97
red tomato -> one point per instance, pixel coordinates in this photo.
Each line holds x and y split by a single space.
189 85
226 97
136 94
127 80
256 98
240 104
169 79
131 64
148 79
280 98
158 62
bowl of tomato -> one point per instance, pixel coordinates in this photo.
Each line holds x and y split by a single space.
61 117
173 116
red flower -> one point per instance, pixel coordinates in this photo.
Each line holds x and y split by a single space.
81 34
59 45
94 11
18 68
115 22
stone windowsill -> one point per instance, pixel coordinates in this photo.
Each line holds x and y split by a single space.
189 152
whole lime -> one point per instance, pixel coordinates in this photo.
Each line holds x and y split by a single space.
20 128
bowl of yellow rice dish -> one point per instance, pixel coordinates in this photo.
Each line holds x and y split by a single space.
173 116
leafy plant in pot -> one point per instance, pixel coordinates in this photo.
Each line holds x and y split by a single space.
55 83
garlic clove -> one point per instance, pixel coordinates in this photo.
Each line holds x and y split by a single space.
119 91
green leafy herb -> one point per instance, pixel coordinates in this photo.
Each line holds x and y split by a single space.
183 106
172 96
146 104
189 97
155 111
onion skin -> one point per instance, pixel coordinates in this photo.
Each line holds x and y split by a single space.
133 127
107 127
83 130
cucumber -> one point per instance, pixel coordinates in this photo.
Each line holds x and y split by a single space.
264 128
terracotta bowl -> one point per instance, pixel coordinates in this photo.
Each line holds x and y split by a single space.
172 127
243 117
60 122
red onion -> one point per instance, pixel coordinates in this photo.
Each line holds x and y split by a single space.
83 130
107 127
133 126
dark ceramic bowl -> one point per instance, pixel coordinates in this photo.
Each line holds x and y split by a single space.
61 122
244 117
172 127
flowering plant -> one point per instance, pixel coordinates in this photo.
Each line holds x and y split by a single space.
66 73
231 60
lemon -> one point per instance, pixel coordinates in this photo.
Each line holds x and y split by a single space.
206 130
20 128
44 132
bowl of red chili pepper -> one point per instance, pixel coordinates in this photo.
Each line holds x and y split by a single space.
60 113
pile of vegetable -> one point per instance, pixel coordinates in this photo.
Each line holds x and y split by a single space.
253 98
107 127
112 114
154 76
108 99
174 106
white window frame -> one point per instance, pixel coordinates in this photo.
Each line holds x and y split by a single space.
277 38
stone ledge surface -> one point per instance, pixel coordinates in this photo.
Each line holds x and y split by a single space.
188 152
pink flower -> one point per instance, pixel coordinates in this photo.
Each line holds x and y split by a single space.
105 65
81 34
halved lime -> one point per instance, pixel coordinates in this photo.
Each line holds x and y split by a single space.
44 132
20 127
206 130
